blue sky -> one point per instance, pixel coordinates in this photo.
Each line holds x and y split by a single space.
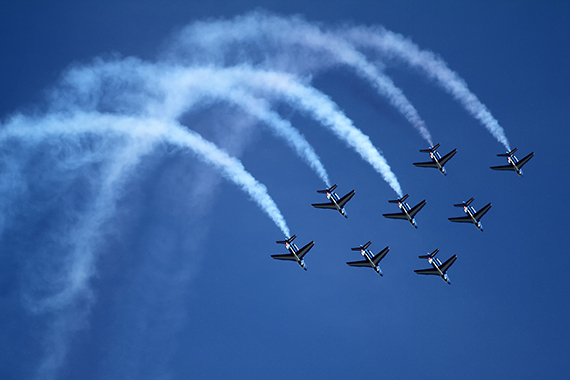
177 278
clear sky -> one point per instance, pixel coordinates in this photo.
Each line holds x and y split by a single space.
124 255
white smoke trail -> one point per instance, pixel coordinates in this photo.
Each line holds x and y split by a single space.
323 109
168 92
81 261
140 135
215 42
395 45
284 86
186 86
80 122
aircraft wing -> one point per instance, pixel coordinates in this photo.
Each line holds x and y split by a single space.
303 251
414 210
479 214
503 167
325 205
447 157
445 266
380 255
288 256
399 215
524 160
427 271
361 263
426 164
342 201
462 219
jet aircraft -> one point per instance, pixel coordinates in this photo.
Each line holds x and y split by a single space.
335 203
472 215
407 212
514 163
296 253
436 160
438 269
371 259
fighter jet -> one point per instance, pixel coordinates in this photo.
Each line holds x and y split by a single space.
436 160
335 203
472 215
514 163
407 212
438 269
371 259
296 253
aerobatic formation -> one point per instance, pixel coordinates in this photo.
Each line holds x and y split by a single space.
108 115
408 213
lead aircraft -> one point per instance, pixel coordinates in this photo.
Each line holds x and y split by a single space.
371 259
438 269
472 215
407 212
514 163
436 160
335 203
296 253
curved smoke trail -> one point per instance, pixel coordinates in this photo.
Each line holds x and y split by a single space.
140 136
395 45
287 87
295 45
323 109
167 91
146 129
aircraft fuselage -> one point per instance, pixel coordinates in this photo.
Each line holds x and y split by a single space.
334 198
435 156
436 264
471 212
292 247
405 209
369 255
513 161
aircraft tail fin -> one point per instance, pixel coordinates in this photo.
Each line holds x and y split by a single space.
399 199
464 203
507 154
430 149
429 255
365 246
330 190
286 241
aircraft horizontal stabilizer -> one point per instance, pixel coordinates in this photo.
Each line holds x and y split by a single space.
399 199
286 241
431 149
362 246
432 255
330 190
464 203
507 154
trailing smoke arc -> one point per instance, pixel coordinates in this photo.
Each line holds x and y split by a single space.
294 45
393 45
